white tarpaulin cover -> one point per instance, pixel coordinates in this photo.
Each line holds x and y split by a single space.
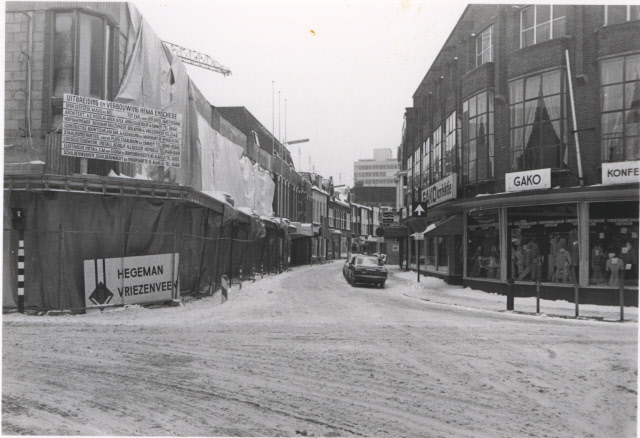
224 169
155 78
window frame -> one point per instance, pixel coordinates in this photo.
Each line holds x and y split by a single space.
623 109
480 57
552 19
108 65
628 19
466 139
563 120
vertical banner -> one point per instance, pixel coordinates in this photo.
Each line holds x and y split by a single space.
130 280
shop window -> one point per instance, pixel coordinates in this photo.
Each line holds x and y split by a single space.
538 122
443 255
620 108
483 244
484 47
477 138
430 253
621 14
543 243
450 143
436 155
539 23
82 58
613 243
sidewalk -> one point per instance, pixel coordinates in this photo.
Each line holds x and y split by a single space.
437 291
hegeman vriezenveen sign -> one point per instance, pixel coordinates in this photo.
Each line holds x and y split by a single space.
130 280
104 130
528 180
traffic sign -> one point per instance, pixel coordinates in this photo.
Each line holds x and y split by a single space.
419 209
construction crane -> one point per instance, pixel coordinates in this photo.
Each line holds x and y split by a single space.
198 59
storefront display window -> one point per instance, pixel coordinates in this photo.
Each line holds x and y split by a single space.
613 243
483 244
443 257
543 243
430 259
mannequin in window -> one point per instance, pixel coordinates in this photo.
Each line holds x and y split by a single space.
563 266
553 249
629 256
526 256
597 264
475 263
614 265
517 260
536 261
574 249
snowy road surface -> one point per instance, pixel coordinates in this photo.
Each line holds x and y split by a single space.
306 352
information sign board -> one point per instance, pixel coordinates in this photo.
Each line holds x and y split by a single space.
104 130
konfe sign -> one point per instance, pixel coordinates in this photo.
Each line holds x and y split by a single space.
528 180
625 172
441 191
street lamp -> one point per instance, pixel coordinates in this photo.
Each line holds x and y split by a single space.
304 140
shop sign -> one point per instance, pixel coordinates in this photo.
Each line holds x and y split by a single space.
130 280
528 180
441 191
625 172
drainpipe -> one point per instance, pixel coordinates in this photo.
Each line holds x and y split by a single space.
575 122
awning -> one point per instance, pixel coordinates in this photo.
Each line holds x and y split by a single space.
301 230
447 226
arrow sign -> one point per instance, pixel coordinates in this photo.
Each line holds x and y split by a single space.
419 209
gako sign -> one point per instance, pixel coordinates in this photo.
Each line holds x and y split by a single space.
441 191
625 172
130 280
528 180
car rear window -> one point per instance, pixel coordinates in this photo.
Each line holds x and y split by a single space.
367 261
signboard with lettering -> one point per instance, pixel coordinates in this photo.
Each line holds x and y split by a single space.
528 180
441 191
130 280
104 130
625 172
387 217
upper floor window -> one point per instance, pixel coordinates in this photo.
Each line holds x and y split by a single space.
484 47
620 108
426 162
450 142
436 155
539 23
621 14
477 138
538 122
82 58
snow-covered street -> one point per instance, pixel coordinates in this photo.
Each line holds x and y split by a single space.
306 353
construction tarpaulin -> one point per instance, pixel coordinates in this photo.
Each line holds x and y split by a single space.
225 169
155 78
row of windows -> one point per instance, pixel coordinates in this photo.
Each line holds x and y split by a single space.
365 174
377 181
539 23
539 130
358 167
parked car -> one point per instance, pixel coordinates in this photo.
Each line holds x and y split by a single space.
364 269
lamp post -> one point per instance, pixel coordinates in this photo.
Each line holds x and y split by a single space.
304 140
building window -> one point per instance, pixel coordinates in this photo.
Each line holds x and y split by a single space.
539 23
477 138
483 245
426 163
620 108
450 143
82 58
621 14
538 122
484 47
416 173
436 155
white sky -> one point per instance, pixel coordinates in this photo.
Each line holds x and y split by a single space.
346 84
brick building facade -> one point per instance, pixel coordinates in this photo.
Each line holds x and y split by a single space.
518 186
